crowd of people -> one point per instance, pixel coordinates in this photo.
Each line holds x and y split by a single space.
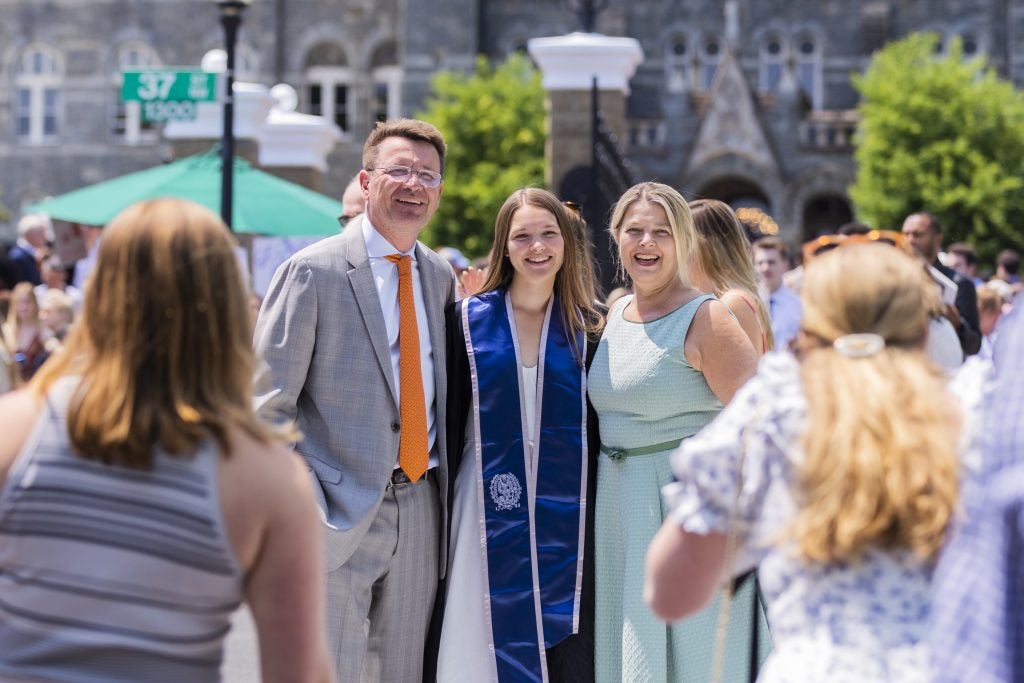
425 469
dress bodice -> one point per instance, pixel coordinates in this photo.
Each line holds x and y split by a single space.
640 383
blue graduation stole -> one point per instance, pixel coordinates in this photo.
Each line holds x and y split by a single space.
532 518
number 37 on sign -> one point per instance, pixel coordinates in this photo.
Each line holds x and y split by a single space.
168 94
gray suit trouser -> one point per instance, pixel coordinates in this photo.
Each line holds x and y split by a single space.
379 602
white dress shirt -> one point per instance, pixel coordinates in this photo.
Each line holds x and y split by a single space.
385 277
786 311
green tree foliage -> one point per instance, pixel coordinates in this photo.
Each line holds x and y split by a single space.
493 122
941 134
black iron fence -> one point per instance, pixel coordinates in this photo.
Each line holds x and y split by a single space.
597 187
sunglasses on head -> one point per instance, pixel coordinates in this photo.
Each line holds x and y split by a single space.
573 207
820 245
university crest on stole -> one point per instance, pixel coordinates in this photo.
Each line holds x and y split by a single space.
505 491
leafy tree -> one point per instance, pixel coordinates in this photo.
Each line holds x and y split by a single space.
941 134
493 122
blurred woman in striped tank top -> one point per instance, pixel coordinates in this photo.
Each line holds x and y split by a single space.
141 500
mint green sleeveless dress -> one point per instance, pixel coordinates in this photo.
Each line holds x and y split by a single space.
646 394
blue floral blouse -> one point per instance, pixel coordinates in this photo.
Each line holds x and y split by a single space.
856 622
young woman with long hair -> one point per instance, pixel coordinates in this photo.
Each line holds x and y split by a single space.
23 332
723 264
519 598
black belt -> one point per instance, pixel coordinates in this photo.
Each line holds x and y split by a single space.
400 478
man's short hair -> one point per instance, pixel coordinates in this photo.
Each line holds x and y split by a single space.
933 221
412 129
29 222
964 251
1009 260
772 242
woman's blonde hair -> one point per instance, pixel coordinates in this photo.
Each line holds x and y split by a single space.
162 347
11 325
574 283
677 212
880 466
725 257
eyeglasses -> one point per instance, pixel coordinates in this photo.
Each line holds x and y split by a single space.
401 174
820 245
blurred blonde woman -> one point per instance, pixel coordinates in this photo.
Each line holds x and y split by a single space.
56 313
723 264
142 500
23 332
849 480
670 357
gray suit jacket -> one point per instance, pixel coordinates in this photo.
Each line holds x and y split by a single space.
327 366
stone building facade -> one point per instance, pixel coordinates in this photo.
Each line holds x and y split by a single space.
749 101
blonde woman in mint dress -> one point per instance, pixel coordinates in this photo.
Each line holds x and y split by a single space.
670 357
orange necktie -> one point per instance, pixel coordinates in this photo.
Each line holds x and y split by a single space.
412 449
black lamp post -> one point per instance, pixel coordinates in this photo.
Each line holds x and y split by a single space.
586 11
230 19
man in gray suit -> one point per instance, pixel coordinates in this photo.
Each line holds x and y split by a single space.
329 333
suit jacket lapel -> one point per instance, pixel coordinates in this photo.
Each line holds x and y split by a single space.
361 278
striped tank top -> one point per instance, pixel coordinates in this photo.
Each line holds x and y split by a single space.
109 573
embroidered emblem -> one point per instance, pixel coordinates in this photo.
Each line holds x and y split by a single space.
505 491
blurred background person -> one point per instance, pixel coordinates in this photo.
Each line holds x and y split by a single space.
8 271
55 278
1008 266
722 264
142 498
924 233
528 332
669 358
990 308
23 331
459 265
353 203
835 471
28 251
55 315
978 617
255 303
963 258
84 266
771 261
8 369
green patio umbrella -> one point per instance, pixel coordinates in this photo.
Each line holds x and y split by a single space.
263 204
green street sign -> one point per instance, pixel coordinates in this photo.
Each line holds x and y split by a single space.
169 94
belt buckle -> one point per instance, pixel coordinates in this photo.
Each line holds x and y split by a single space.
616 453
399 478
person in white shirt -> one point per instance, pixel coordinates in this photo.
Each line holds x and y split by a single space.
771 261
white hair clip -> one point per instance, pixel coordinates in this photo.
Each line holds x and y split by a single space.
859 345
